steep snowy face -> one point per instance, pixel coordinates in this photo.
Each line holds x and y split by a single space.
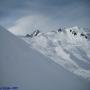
27 69
70 48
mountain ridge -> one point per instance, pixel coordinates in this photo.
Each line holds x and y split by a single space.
69 48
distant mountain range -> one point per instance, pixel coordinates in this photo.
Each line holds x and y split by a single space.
68 47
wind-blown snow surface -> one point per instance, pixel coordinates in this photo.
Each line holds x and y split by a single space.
66 49
22 67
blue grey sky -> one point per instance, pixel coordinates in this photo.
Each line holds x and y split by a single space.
59 12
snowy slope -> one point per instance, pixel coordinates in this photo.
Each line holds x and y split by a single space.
22 67
66 49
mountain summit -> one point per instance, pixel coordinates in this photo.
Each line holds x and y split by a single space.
69 47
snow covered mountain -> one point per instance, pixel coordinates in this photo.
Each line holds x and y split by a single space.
69 47
23 67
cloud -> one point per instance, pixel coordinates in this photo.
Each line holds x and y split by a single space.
15 8
28 24
69 12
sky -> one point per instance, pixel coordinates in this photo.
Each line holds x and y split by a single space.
25 16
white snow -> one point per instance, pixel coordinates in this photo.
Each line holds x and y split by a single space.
27 69
66 49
